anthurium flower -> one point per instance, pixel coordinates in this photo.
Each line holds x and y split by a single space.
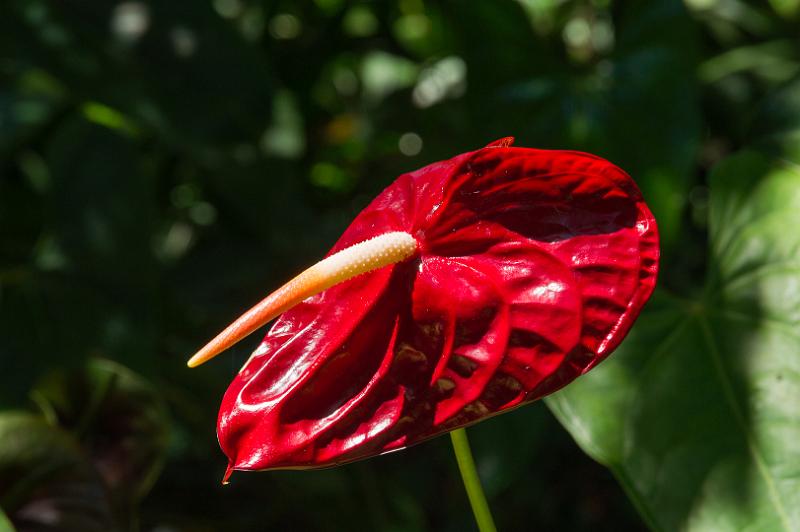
466 288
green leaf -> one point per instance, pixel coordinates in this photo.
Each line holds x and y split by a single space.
45 482
776 127
697 413
5 524
120 421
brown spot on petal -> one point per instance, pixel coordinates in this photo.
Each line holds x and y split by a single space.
462 365
407 358
443 388
502 389
476 410
432 330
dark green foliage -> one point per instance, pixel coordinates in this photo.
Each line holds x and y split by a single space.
165 164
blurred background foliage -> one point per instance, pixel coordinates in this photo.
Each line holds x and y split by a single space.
165 164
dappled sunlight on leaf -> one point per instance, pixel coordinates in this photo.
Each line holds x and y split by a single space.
699 419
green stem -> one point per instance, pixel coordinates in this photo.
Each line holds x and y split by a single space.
472 483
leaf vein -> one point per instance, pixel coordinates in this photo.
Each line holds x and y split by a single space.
752 446
753 275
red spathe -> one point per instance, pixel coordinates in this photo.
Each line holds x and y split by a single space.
532 266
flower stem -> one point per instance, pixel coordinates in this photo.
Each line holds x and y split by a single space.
472 483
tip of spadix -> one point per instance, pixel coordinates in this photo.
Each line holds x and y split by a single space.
204 355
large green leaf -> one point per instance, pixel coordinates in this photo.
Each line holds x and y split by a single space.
697 413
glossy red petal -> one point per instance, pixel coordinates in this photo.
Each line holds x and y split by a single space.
533 265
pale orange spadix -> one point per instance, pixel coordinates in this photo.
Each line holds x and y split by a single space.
363 257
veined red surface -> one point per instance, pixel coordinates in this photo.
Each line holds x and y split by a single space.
532 266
